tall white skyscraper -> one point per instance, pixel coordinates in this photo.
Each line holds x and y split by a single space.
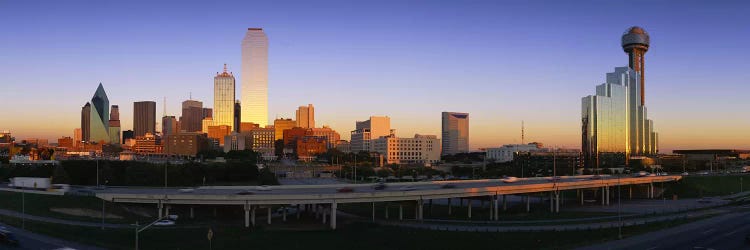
223 113
455 133
254 93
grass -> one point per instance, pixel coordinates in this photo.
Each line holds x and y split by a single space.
700 186
361 236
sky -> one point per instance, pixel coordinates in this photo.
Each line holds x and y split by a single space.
501 61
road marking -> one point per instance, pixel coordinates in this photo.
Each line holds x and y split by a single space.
709 231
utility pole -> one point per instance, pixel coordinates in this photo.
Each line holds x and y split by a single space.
355 168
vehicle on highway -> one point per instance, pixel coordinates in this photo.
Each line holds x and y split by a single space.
345 190
407 188
554 179
595 177
172 217
246 192
703 173
84 192
379 186
7 237
685 174
651 175
448 185
164 223
30 183
187 190
263 188
61 187
641 174
510 179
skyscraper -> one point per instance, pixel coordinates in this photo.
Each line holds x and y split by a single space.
114 125
282 124
369 130
95 117
77 137
455 133
254 95
144 118
169 126
224 96
192 115
614 123
237 116
306 116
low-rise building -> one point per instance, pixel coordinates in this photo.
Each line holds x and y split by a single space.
308 146
507 152
421 149
219 132
185 143
147 144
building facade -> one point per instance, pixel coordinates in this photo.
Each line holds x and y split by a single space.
366 131
224 96
282 124
95 117
147 144
455 132
192 116
185 143
169 125
254 93
114 125
306 116
219 132
144 118
507 152
310 146
421 149
261 139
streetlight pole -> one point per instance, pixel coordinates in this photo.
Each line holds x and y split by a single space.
23 209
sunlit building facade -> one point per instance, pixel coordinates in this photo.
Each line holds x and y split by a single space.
223 113
254 95
421 149
455 133
306 116
369 130
95 117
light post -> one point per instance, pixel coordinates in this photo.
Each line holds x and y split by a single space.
138 231
23 209
165 174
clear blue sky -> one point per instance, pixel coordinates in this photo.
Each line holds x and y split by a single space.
501 61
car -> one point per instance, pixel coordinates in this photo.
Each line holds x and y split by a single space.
510 179
7 237
448 185
173 217
246 192
84 192
641 174
554 179
164 223
345 190
595 177
379 186
407 188
186 190
263 188
685 173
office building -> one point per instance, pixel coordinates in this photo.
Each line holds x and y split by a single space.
218 132
224 96
65 142
77 137
508 151
127 134
282 124
261 139
86 122
310 146
366 131
208 112
421 149
254 93
169 125
455 132
291 135
95 117
185 143
331 136
614 122
306 116
344 146
247 126
114 125
192 116
144 118
207 122
147 144
235 142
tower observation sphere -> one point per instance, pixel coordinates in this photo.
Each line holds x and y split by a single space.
635 42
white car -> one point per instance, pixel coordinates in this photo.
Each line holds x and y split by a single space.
685 173
263 188
164 223
407 188
510 179
186 190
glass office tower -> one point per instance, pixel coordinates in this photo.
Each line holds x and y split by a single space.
254 95
224 99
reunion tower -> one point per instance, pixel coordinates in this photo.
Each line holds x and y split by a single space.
635 42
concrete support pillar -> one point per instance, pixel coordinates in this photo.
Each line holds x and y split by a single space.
214 211
386 211
247 215
505 204
429 208
297 212
400 212
269 215
323 214
604 199
316 210
607 188
581 196
557 202
652 190
373 211
159 206
252 216
494 206
167 211
283 213
333 215
469 205
450 206
420 210
192 214
552 201
481 203
630 191
528 203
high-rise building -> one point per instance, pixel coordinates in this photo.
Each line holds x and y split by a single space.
224 97
208 112
144 118
614 122
127 134
247 126
254 95
169 126
77 137
114 125
192 115
261 139
95 117
455 133
366 131
218 132
237 116
331 136
306 116
282 124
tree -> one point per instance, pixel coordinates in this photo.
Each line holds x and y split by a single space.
59 176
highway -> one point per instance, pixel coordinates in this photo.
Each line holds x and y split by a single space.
33 241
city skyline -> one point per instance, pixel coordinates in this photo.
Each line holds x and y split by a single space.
499 98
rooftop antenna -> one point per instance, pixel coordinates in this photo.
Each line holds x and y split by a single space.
191 95
225 68
522 133
165 106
